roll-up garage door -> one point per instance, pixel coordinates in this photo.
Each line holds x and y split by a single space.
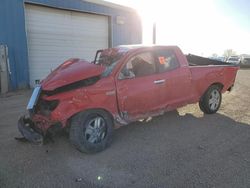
55 35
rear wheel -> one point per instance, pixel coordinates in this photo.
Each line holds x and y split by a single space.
211 100
91 131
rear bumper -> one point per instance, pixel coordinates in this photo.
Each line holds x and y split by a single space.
26 128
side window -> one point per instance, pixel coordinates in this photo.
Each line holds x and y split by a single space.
142 64
166 60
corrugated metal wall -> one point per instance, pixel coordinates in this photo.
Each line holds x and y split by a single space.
12 33
12 30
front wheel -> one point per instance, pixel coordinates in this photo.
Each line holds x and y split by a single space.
211 100
91 131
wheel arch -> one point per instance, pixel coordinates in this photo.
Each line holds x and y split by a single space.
91 109
220 85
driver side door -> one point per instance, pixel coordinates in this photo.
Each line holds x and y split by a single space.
137 87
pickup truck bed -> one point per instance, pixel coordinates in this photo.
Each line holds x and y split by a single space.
194 60
205 72
203 76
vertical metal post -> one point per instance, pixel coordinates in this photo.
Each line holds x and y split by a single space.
154 33
4 69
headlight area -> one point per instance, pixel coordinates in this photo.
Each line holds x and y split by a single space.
45 107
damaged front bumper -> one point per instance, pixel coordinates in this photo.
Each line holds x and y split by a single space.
28 131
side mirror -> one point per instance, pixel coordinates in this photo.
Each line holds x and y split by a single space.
126 74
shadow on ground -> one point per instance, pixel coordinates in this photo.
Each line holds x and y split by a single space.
169 151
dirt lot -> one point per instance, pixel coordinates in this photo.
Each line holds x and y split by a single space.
182 148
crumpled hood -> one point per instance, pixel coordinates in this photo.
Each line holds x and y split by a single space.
71 71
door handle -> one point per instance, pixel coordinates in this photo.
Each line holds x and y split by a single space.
159 81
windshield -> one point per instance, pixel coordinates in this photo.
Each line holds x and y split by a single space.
108 58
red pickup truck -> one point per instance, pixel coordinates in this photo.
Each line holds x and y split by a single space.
122 85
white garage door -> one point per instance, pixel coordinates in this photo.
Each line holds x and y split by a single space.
56 35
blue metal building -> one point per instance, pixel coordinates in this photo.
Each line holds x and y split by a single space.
27 27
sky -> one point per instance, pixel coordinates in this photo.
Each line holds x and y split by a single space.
199 27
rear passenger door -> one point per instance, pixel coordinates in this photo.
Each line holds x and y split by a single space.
174 79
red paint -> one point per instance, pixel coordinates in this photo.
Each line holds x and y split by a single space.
130 99
70 71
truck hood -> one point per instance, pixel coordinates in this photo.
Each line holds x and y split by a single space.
70 71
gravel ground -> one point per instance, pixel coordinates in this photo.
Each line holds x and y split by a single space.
183 148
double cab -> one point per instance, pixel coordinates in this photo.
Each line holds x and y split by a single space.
122 85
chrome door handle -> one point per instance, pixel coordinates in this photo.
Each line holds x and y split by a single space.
159 81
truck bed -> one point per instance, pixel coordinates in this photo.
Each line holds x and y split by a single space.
194 60
205 75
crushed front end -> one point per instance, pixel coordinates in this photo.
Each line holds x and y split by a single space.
27 128
35 127
69 89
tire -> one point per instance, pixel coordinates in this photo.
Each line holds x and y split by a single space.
211 100
91 131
